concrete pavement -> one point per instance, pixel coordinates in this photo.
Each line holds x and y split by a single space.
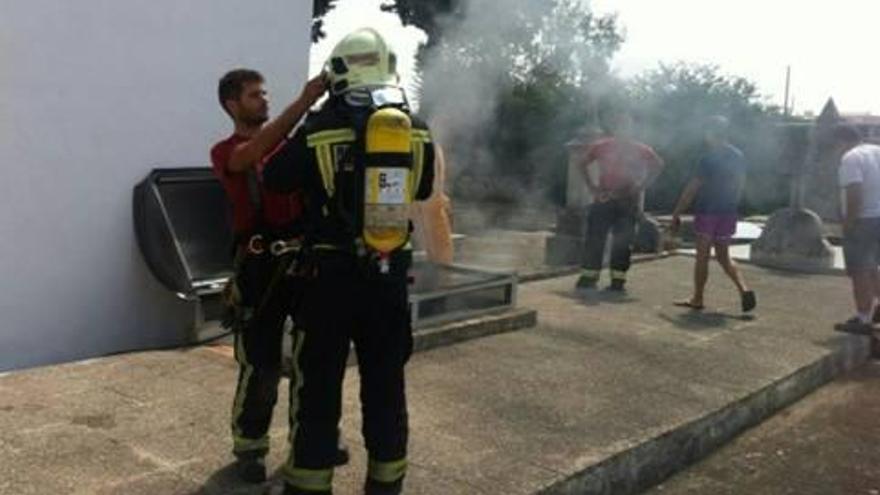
607 395
825 444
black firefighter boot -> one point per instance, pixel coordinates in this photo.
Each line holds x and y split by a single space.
617 285
251 468
372 487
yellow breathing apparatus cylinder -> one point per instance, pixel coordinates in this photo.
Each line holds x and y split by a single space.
388 180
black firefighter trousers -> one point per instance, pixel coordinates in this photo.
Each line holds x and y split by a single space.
618 216
340 304
258 352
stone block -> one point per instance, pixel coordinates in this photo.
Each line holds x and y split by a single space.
793 239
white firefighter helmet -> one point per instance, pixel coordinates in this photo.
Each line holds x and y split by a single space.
362 60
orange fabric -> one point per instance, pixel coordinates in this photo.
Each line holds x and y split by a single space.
433 228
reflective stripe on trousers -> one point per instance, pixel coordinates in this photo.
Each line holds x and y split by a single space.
386 472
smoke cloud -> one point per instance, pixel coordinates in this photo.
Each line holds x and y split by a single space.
492 50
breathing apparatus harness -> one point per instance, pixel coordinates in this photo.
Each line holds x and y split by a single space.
373 186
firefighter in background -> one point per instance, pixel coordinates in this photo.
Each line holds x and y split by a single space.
361 161
617 170
431 218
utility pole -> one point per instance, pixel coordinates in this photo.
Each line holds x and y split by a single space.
786 108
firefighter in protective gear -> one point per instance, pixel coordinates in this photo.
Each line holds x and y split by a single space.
625 169
361 161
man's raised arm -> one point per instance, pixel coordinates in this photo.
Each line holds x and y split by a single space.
248 154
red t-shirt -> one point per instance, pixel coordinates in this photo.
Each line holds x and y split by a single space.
280 211
622 163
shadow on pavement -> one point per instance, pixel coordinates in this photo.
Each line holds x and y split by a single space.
703 320
786 273
595 297
225 481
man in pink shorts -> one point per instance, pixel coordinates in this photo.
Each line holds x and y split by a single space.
715 192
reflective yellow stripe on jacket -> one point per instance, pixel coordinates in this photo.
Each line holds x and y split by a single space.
322 142
420 139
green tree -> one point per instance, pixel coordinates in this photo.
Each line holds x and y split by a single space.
671 105
527 38
431 16
513 82
574 43
320 8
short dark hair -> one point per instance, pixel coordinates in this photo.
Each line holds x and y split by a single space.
610 115
232 84
718 126
847 134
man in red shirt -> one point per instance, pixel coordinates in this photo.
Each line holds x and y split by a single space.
266 226
617 170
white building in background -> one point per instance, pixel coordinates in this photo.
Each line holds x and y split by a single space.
93 95
867 124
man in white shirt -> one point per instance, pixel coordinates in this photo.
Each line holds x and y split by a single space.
859 175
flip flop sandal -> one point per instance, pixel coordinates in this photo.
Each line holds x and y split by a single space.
688 304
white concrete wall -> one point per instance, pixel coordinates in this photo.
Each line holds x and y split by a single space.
93 94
